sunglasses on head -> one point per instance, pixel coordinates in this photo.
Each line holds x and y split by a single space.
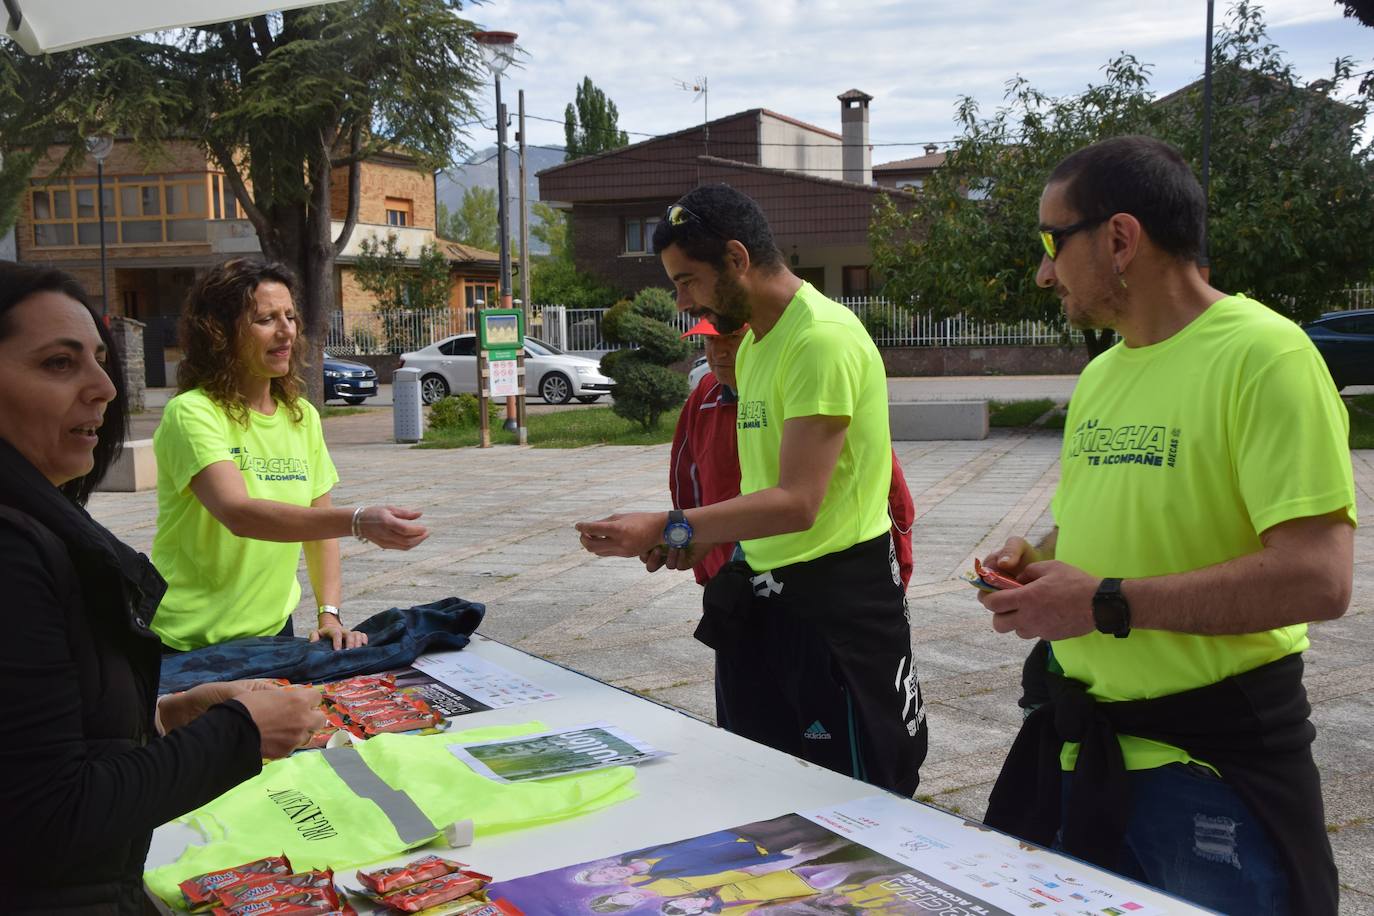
1053 238
678 214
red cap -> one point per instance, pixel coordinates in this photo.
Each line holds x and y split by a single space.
703 326
706 329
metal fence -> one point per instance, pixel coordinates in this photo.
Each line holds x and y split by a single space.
891 324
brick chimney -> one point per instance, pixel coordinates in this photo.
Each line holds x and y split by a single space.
858 155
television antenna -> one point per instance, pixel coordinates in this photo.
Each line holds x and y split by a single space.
702 90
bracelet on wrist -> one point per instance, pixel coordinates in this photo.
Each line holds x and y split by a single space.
358 523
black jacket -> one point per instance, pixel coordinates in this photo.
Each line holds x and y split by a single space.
1252 727
83 777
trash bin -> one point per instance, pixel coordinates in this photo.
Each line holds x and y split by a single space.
407 418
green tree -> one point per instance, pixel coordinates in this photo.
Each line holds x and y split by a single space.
554 278
278 101
1291 206
645 388
591 123
476 222
401 285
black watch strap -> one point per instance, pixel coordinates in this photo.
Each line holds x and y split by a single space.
1111 611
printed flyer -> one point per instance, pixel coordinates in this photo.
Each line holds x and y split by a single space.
481 680
555 753
863 857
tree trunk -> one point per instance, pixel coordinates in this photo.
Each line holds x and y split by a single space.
1098 342
317 274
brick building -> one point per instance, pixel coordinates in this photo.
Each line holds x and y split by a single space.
169 218
815 186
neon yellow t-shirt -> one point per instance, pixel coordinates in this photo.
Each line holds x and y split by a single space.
1177 456
817 360
222 587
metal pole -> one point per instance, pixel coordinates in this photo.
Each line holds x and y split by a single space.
1204 258
524 221
522 431
503 220
100 215
502 217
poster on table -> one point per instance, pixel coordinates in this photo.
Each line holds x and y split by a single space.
869 856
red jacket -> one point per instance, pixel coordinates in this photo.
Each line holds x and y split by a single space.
704 469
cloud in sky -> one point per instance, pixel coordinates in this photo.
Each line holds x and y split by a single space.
915 57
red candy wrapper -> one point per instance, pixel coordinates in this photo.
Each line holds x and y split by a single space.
360 687
271 886
386 880
498 908
310 901
408 715
200 890
436 891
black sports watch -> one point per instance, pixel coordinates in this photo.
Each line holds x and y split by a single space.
678 532
1111 611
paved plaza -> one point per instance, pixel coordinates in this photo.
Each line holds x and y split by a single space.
501 533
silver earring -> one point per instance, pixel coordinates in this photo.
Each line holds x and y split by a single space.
1120 279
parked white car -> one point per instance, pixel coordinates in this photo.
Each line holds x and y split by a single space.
449 366
699 369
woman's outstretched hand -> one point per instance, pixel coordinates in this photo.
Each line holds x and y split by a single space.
391 527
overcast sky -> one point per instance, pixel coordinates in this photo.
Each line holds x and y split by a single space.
914 57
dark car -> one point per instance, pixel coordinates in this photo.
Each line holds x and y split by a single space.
1346 341
353 382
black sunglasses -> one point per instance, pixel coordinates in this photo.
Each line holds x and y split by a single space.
1053 239
678 214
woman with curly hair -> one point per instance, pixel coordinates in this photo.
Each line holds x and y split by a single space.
243 475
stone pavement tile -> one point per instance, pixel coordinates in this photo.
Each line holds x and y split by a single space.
1352 845
697 698
956 732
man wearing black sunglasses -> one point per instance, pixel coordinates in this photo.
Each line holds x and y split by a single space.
809 622
1204 515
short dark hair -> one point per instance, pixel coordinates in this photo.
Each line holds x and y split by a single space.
1144 177
17 283
722 214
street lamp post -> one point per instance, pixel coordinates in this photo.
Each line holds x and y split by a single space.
99 148
498 49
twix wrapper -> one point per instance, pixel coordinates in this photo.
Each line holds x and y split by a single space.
386 880
436 891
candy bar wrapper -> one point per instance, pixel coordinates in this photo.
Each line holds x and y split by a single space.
497 908
355 708
436 891
200 890
415 714
386 880
271 886
310 901
359 687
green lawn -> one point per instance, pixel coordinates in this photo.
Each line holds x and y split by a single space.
328 412
1017 413
564 429
1361 420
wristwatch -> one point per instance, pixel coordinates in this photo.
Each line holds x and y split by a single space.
678 532
328 609
1111 612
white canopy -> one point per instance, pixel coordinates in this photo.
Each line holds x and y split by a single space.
44 26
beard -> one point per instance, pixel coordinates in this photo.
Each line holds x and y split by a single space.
731 311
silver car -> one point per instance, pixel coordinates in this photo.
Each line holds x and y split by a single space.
449 366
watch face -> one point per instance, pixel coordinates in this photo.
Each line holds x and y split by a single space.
677 535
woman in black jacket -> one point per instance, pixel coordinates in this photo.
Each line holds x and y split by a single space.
91 760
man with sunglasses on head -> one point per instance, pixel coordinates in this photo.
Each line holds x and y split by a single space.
1204 515
809 622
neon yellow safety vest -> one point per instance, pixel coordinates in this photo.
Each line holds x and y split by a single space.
350 806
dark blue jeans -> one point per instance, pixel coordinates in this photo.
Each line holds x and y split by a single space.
1191 835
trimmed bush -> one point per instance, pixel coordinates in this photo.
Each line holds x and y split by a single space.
460 411
645 388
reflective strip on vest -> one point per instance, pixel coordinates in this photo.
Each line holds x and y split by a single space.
410 822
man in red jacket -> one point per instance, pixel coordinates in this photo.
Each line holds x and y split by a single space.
704 466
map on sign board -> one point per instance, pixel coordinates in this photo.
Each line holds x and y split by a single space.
503 330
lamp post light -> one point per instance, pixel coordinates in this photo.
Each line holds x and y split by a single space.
99 148
498 50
